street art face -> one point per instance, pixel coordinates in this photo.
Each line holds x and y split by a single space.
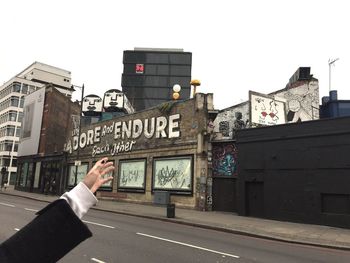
238 123
266 110
113 100
294 105
261 108
92 105
273 111
224 160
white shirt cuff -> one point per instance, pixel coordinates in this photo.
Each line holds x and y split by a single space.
80 199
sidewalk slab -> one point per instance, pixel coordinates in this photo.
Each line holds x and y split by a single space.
307 234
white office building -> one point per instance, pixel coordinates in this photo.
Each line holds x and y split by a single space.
12 94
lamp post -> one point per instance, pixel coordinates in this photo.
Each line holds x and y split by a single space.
77 161
195 83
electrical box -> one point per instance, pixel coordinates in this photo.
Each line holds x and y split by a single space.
161 198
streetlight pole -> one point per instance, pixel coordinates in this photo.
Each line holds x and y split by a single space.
330 63
77 162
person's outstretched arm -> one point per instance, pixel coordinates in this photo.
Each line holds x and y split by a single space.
57 229
81 198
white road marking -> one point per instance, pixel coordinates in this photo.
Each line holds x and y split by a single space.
97 224
17 229
189 245
32 210
97 260
5 204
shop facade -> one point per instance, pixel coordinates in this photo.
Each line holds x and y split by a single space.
162 149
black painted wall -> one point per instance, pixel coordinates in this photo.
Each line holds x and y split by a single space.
296 172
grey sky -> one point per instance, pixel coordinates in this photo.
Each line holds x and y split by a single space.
236 46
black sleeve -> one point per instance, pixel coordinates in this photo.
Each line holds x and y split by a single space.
51 235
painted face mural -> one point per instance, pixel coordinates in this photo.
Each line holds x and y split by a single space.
273 111
92 105
113 100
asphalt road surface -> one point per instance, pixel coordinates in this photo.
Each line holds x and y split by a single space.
120 238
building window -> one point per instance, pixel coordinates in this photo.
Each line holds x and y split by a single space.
6 145
132 175
14 162
81 171
18 132
2 132
173 174
20 116
23 174
30 174
21 102
24 88
14 101
15 149
6 162
31 89
10 130
16 87
12 115
13 178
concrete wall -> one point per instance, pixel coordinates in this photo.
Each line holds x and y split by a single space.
47 73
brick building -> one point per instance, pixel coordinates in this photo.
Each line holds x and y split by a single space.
162 149
47 118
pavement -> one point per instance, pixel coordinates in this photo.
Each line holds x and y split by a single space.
306 234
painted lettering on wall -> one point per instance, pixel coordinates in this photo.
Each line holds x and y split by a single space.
121 136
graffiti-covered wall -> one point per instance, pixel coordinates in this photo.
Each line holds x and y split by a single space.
302 101
224 159
231 119
302 104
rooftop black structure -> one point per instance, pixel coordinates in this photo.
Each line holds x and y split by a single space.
332 107
150 74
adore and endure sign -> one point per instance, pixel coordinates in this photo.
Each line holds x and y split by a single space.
120 136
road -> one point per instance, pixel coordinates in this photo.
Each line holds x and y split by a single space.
120 238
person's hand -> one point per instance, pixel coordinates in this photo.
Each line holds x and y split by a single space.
94 178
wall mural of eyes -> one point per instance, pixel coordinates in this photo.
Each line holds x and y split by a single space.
92 105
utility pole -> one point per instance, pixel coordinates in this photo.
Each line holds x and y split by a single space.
330 63
78 162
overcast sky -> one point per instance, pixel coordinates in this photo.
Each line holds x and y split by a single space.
236 46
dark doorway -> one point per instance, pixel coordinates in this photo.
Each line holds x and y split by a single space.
224 194
50 177
254 199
